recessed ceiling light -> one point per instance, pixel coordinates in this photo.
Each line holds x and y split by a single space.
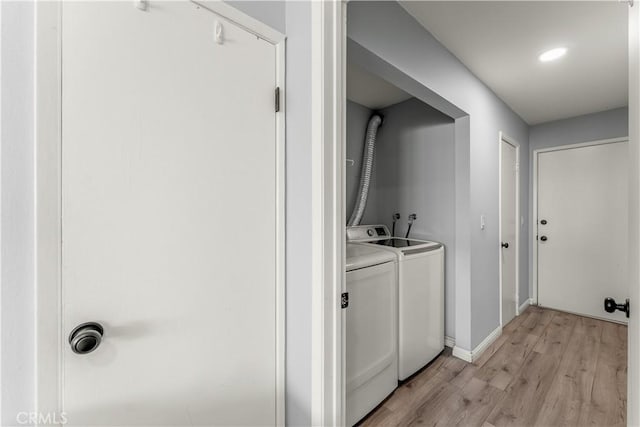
553 54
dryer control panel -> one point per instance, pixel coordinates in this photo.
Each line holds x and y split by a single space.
367 233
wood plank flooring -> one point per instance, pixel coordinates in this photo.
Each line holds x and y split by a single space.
548 368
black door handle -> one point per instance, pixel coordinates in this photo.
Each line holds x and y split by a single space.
543 238
505 245
543 222
610 306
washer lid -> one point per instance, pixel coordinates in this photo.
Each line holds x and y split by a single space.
361 256
401 242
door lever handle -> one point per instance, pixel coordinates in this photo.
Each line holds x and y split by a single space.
610 306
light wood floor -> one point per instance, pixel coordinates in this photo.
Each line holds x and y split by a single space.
548 368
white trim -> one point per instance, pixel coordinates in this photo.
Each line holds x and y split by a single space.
341 112
502 137
525 305
48 139
1 191
449 342
633 331
317 211
242 20
328 65
47 194
281 254
621 322
534 209
473 355
534 230
582 144
463 354
480 348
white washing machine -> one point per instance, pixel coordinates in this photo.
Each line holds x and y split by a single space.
371 329
420 294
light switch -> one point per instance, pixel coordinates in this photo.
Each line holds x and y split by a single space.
482 222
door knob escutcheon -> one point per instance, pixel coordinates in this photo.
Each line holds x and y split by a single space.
86 337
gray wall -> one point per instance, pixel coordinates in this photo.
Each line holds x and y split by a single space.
589 127
17 214
409 47
415 174
575 130
298 213
272 13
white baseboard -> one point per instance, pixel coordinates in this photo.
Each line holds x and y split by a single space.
524 305
463 354
449 342
473 355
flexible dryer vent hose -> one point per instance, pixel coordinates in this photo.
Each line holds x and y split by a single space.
365 172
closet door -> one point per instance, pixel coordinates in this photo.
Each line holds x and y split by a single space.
169 218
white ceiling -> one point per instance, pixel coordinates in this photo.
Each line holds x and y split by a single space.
500 42
371 91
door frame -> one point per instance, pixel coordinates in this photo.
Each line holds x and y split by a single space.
329 97
534 212
511 141
48 191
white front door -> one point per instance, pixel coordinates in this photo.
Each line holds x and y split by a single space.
508 228
583 228
169 217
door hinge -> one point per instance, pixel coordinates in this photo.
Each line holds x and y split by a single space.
277 99
345 300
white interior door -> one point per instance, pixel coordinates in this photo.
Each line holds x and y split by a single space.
170 217
583 228
508 228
